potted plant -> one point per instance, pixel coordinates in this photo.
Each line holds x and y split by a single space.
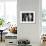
1 22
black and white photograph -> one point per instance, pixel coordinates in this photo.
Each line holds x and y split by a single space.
27 17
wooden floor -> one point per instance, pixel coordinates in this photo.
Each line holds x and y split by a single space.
34 44
2 43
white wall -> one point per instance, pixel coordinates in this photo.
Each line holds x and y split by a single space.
29 31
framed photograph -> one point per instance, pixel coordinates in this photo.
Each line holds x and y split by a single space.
27 16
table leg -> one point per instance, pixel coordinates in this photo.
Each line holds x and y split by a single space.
1 36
